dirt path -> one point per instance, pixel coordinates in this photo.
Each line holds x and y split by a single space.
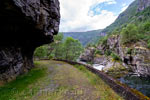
65 82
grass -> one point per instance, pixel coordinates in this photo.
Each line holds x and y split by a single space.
21 86
52 80
102 88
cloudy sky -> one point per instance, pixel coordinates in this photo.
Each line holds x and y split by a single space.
84 15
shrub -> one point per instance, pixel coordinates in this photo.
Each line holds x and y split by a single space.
129 51
148 44
50 56
98 52
129 34
147 27
108 52
103 40
115 56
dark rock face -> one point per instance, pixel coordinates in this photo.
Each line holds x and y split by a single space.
134 56
138 59
24 25
143 4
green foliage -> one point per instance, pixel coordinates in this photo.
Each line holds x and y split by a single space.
108 52
116 31
91 45
41 52
84 37
99 84
117 71
115 57
148 44
98 52
124 18
103 40
58 38
69 49
73 49
129 51
145 14
144 28
133 33
50 56
129 34
10 90
147 27
57 46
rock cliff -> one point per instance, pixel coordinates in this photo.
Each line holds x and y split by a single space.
143 4
133 56
24 25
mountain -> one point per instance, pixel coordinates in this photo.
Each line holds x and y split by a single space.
85 37
123 18
138 11
130 43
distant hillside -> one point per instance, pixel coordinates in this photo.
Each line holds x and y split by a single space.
85 37
124 18
137 12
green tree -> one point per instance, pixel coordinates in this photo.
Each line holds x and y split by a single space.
69 49
72 48
115 56
56 47
129 34
146 27
41 52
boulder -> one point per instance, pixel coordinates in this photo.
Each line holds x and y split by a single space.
88 55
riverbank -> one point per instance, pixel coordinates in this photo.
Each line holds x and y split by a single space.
139 83
126 76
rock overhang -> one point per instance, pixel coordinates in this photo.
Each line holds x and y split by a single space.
25 25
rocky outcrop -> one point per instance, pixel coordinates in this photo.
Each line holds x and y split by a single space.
88 55
134 56
24 25
143 4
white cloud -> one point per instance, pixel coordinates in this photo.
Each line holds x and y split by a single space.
124 7
75 15
111 2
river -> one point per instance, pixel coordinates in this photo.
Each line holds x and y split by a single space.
98 67
133 81
138 83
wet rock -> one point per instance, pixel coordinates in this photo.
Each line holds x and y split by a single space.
102 60
138 59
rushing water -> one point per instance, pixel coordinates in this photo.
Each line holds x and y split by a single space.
138 83
98 67
133 81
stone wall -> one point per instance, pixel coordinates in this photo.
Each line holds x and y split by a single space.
126 92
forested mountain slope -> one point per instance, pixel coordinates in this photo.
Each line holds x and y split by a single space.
128 40
137 11
85 37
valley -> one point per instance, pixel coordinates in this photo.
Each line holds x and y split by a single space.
37 62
